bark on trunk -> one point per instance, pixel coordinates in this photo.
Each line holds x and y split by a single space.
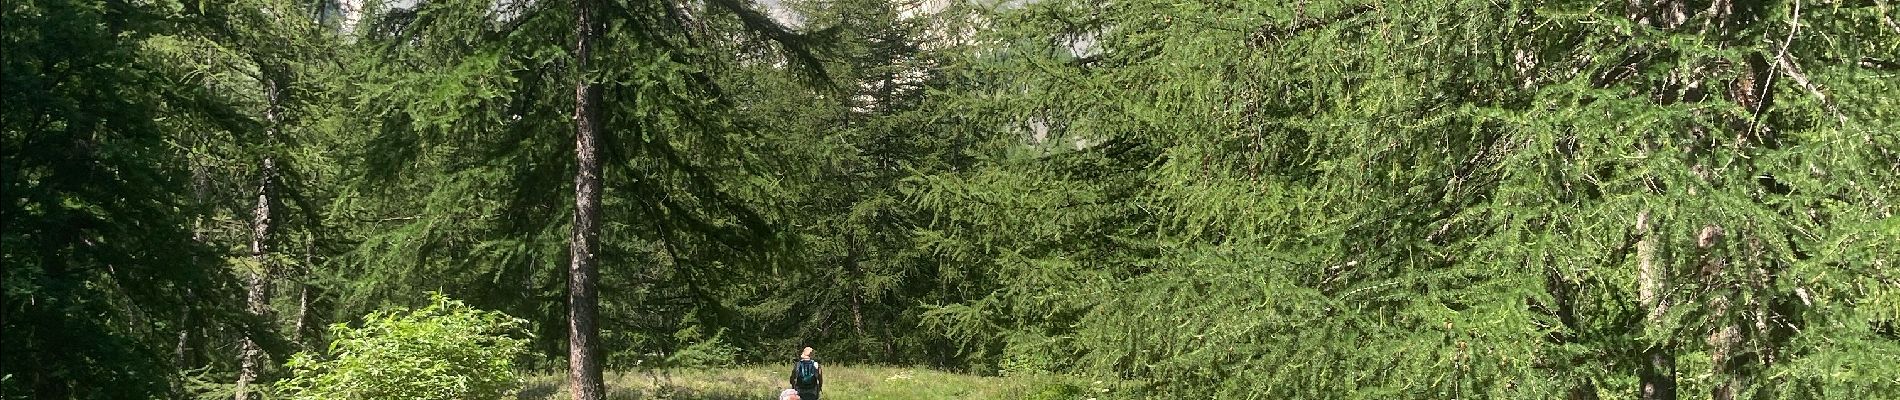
1724 342
584 375
256 294
857 283
257 286
1658 377
306 295
180 361
302 334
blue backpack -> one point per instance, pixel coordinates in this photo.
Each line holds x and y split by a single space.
805 375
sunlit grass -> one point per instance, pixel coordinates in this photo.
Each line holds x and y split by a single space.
841 383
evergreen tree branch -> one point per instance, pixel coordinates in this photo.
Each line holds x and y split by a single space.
795 45
1785 65
1270 33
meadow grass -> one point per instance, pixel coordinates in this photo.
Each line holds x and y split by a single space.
849 382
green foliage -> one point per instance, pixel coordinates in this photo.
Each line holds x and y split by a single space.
446 350
463 178
1199 199
867 382
705 352
1057 391
102 267
1427 199
837 155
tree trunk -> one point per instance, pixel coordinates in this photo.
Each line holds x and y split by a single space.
857 282
302 333
257 286
181 355
306 295
180 360
1658 377
583 363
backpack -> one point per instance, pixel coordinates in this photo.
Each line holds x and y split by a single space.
805 374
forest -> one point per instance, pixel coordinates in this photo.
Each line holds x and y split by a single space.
1222 199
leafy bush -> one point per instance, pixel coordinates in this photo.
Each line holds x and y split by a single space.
446 350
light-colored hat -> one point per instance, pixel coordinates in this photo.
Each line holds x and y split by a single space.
787 394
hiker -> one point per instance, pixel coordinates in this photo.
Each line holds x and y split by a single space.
788 394
807 378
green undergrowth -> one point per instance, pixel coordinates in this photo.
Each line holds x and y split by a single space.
841 382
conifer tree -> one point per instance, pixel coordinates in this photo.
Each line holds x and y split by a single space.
583 303
840 152
113 288
1651 199
459 127
262 51
1439 199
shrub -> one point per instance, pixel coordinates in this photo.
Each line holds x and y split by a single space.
446 350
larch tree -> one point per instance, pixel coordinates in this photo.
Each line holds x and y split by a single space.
269 55
459 98
1647 199
583 302
1445 198
841 152
115 282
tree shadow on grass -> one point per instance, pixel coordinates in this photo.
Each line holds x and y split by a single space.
683 393
680 393
553 391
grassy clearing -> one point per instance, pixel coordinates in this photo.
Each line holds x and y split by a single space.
841 383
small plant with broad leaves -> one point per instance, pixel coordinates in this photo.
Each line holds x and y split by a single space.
446 350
